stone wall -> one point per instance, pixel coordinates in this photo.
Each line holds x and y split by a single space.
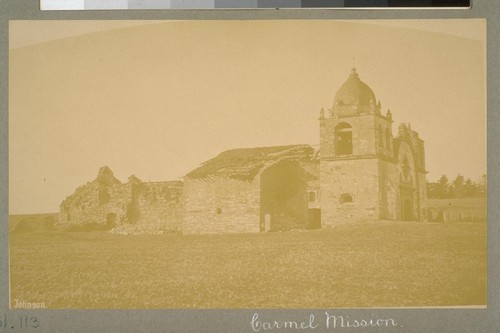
357 178
93 202
363 135
160 206
133 207
384 138
221 205
312 184
412 179
389 190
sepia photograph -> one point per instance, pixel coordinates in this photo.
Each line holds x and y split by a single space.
247 164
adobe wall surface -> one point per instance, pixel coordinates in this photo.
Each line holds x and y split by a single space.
357 177
221 205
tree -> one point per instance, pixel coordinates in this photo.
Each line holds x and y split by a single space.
470 189
442 188
483 186
457 189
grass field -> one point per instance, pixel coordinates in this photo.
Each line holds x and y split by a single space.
381 264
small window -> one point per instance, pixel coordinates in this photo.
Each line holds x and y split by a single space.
345 197
218 211
312 196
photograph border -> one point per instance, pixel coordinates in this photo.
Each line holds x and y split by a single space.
408 319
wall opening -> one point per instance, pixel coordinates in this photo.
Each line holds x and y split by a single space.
110 220
283 204
312 196
314 218
218 211
133 213
343 139
345 198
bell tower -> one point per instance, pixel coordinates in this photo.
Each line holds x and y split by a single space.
356 148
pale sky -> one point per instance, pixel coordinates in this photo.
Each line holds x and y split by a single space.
156 99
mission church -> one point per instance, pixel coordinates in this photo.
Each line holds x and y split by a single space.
362 171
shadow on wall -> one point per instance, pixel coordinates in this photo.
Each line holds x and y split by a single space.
284 197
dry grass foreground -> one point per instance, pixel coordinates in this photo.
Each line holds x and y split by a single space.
381 264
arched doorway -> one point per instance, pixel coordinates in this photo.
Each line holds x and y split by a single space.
283 197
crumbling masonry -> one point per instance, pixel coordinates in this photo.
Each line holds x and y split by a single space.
361 172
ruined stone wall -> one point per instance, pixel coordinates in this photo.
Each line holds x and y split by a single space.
358 178
160 206
133 207
220 205
93 202
80 207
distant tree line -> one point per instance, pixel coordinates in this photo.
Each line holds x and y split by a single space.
458 188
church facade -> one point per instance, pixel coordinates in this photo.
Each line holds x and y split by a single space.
366 171
362 171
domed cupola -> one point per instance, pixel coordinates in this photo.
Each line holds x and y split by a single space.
354 97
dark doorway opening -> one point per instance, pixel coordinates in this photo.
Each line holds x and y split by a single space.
314 218
283 197
110 220
407 205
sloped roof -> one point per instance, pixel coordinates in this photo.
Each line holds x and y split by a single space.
246 163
